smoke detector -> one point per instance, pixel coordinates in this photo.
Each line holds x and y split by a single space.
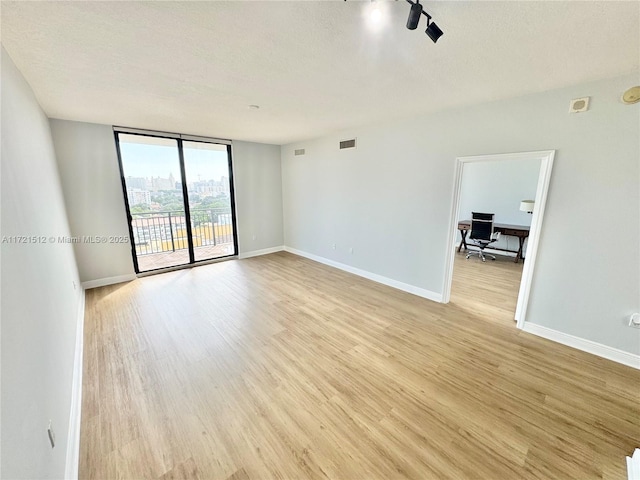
578 105
631 96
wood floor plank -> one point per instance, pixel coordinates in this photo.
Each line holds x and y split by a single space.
277 367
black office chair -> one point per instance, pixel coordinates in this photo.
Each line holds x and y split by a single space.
482 234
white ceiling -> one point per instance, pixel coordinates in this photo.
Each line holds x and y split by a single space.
313 67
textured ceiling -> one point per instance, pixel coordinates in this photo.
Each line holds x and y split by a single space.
313 67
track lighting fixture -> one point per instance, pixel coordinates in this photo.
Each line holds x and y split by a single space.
414 16
433 31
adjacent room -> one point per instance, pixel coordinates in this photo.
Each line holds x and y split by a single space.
490 255
235 240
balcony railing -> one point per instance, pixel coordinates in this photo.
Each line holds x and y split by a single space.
158 232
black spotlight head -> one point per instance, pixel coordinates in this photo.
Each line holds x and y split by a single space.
433 31
414 16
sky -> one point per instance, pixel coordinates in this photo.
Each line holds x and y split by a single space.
155 160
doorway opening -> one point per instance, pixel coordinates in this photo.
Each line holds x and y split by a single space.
179 197
505 276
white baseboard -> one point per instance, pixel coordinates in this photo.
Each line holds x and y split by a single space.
101 282
633 465
421 292
492 251
588 346
73 439
264 251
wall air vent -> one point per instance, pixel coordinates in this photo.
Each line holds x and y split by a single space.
348 144
299 151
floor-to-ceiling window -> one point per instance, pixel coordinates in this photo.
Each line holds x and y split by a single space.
179 197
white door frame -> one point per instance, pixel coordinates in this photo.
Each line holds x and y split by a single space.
546 163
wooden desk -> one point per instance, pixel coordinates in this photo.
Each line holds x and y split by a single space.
520 231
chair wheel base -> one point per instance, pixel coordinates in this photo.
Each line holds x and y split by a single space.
481 255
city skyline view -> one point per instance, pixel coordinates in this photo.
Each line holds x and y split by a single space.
151 167
203 161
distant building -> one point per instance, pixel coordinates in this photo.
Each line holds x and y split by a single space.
138 182
211 188
137 196
158 183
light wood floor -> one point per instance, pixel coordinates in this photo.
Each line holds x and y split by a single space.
279 367
487 289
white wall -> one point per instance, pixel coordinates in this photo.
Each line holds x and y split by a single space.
498 187
390 199
258 182
88 166
39 302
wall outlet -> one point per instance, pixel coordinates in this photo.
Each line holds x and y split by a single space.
333 246
52 435
254 236
351 250
634 320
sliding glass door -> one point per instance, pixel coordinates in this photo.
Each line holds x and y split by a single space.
179 199
209 190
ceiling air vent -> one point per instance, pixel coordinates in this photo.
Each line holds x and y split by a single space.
299 151
578 105
348 144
